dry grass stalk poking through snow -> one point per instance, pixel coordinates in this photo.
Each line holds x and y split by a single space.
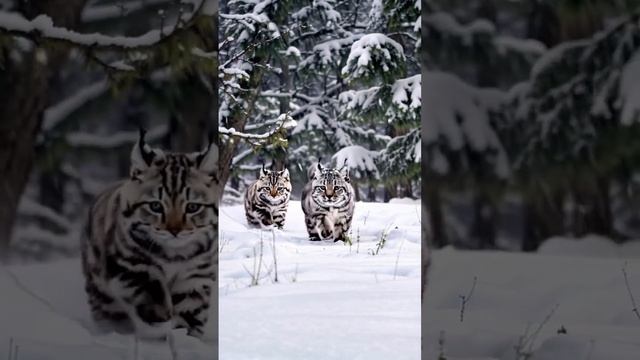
631 297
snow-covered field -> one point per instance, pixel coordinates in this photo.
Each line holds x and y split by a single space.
515 293
44 315
331 301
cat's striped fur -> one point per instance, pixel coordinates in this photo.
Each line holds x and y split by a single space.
328 203
267 199
149 255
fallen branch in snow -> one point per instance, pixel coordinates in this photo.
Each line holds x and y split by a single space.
466 298
633 300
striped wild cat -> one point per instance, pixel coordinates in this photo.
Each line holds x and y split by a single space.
267 199
328 203
149 254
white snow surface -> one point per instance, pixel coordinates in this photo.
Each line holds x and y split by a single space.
331 301
581 279
45 315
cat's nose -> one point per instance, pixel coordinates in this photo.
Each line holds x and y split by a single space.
174 224
274 191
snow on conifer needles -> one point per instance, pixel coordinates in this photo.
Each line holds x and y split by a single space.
42 27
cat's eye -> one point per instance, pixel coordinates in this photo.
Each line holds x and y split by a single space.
156 206
193 208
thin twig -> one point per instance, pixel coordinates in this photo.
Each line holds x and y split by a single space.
626 283
171 340
590 351
136 350
466 298
275 261
395 269
528 341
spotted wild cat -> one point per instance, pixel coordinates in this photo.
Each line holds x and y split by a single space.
267 199
149 255
328 203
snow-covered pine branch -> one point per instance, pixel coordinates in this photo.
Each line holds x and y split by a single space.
100 12
57 113
458 119
401 157
575 91
119 139
42 28
284 122
360 162
373 56
30 208
399 102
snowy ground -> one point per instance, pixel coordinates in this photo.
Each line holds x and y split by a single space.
331 301
581 279
44 315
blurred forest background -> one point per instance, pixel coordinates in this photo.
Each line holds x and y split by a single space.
73 102
531 126
331 81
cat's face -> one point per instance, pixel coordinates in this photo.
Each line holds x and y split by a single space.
330 187
169 198
273 186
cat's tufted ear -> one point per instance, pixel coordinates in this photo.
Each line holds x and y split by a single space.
344 171
207 159
263 171
284 173
143 156
318 171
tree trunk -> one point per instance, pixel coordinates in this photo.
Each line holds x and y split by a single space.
543 215
238 121
390 191
195 111
22 107
543 23
483 229
592 209
371 195
356 190
438 235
